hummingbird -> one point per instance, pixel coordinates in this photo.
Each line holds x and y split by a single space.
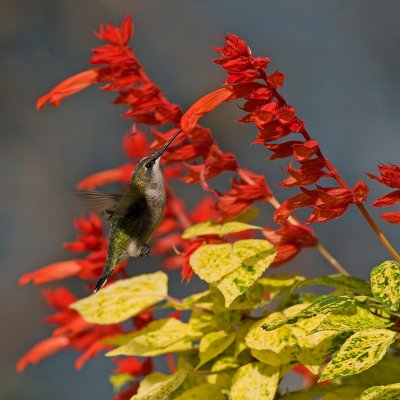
133 215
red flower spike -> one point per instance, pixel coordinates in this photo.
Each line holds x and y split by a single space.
310 172
203 106
234 47
117 36
272 131
43 349
392 217
276 79
68 87
287 208
360 192
303 151
59 298
390 175
282 150
286 115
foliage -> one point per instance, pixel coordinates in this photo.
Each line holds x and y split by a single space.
251 327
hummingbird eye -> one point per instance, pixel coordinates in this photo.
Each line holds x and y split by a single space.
149 164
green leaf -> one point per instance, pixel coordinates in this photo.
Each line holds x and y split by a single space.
224 362
159 386
123 299
209 228
202 300
322 305
158 337
253 257
255 381
213 344
389 392
350 283
352 320
118 381
359 352
385 284
201 392
348 393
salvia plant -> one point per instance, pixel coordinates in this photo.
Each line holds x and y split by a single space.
241 336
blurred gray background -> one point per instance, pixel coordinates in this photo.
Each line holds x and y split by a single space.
342 63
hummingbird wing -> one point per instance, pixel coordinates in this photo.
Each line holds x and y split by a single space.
100 203
108 204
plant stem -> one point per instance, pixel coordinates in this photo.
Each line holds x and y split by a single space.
322 250
378 232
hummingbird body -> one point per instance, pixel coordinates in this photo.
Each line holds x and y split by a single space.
134 215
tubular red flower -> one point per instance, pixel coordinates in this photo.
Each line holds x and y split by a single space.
119 174
68 87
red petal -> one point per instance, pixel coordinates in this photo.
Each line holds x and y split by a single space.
41 350
360 192
70 86
203 106
276 79
392 217
136 145
388 200
53 272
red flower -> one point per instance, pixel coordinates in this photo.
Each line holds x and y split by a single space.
289 240
360 192
203 106
70 86
117 36
245 191
119 174
276 79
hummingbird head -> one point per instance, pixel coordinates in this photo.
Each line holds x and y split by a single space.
147 174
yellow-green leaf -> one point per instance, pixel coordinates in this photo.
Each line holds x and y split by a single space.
276 347
209 228
352 320
389 392
123 299
159 386
255 381
213 344
159 337
118 381
201 392
211 262
253 257
346 393
385 284
359 352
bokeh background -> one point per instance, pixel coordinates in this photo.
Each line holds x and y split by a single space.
342 63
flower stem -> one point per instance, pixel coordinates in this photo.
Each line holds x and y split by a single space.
322 249
378 232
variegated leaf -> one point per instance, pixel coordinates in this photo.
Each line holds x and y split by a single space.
159 386
123 299
201 392
159 337
389 392
385 284
359 352
255 381
213 344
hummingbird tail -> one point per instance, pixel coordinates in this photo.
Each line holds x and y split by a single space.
102 281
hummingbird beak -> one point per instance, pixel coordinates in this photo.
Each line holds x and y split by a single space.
161 152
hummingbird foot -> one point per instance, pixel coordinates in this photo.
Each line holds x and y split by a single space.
145 250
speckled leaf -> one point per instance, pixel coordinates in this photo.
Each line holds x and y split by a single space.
159 386
359 352
203 300
211 262
352 320
323 305
253 256
213 344
209 228
255 381
224 362
389 392
159 337
385 284
276 347
123 299
201 392
350 283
